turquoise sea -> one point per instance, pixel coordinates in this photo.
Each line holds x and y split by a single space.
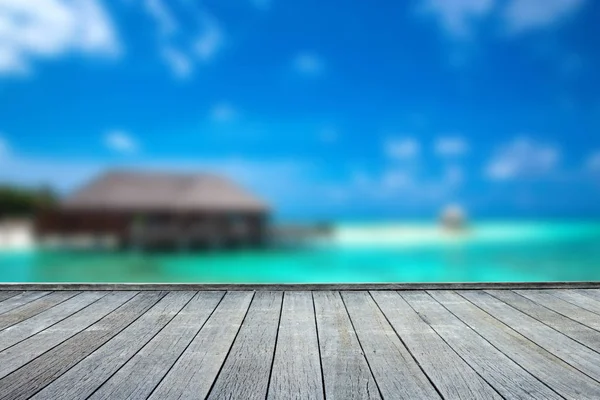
487 252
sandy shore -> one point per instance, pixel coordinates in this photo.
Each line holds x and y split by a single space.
16 236
407 235
400 235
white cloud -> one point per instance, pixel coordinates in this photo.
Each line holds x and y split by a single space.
223 112
523 15
121 142
457 17
179 63
180 49
210 41
167 24
451 146
523 158
402 148
593 162
460 18
308 64
45 29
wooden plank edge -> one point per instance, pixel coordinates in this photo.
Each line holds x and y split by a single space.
301 286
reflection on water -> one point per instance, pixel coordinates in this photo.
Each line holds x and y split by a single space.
526 252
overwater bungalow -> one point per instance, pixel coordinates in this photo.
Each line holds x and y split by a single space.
158 210
453 218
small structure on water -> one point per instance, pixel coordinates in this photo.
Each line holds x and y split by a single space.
453 218
160 210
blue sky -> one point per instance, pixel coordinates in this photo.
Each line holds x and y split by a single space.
328 109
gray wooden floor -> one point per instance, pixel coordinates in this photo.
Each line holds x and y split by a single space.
471 344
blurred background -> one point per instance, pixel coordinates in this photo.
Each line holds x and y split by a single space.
423 140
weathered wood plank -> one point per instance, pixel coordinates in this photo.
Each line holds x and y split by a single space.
7 294
579 332
195 371
593 293
583 298
27 381
33 308
25 351
158 356
396 372
86 346
562 346
452 376
506 376
297 365
85 377
25 329
20 299
245 373
544 365
563 307
346 373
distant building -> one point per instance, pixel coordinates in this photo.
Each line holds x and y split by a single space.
145 209
453 217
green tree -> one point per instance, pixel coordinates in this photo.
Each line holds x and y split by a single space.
22 202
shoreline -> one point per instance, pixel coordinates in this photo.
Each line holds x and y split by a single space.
18 237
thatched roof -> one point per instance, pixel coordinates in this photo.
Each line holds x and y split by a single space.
146 191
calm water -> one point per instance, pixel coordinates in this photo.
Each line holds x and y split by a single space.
359 253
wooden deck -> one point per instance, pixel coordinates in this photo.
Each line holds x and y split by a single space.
355 344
